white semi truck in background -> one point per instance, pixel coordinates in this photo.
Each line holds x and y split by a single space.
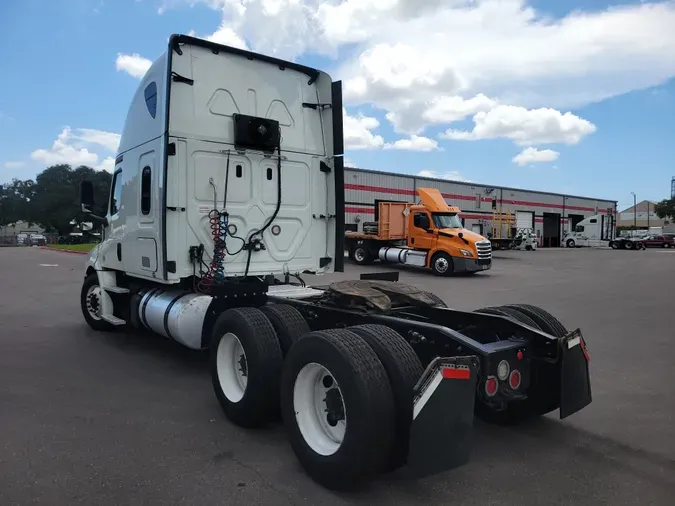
228 186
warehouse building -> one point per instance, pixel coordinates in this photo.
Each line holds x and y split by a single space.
550 215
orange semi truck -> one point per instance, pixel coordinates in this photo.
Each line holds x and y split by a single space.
429 234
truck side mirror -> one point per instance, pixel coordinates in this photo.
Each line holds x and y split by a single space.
87 202
87 197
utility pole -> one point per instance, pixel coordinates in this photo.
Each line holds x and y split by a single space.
634 212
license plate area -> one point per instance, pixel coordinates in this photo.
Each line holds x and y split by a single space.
575 382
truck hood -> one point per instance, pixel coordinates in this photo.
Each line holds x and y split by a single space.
470 236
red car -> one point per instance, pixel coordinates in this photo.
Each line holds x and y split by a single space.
658 241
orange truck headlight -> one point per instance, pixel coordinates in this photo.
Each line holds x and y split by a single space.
465 252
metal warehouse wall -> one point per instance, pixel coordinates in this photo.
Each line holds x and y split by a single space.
560 212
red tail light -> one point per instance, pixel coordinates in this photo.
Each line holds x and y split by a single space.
491 386
514 379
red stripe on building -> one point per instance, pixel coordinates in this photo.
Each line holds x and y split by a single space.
362 210
366 188
403 191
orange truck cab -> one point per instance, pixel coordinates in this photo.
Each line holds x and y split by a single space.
429 234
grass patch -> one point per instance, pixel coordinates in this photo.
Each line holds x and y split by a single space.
74 247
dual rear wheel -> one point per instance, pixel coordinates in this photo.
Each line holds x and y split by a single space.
345 395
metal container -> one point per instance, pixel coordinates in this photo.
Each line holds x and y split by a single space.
394 255
416 258
175 314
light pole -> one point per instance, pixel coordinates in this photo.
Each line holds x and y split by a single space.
634 211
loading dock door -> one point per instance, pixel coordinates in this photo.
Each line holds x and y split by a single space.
524 219
551 230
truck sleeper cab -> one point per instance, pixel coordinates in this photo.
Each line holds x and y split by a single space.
429 235
228 185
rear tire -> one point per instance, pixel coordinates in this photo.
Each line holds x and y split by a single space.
614 245
512 313
361 255
90 303
630 245
246 363
404 370
337 366
545 320
438 301
288 323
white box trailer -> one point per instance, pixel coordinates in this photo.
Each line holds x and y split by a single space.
228 186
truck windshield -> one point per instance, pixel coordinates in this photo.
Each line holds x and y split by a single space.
446 220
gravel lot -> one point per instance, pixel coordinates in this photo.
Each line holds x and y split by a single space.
90 418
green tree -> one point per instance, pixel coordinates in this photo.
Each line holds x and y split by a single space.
665 209
56 201
15 199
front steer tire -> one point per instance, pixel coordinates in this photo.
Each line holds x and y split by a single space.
91 282
262 366
367 400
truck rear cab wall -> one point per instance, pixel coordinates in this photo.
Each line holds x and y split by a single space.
163 123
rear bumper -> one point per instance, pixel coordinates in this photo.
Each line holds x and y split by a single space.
471 264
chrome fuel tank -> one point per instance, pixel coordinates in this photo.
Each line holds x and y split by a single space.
175 314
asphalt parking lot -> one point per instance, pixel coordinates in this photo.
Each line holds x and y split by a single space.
91 418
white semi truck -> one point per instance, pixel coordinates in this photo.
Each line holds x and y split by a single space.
595 231
228 186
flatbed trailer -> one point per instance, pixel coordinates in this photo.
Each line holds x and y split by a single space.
369 375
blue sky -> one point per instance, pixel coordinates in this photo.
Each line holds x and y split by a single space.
584 91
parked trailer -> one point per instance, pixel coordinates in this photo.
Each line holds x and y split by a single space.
212 213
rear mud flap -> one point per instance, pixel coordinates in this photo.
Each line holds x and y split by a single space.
441 430
575 382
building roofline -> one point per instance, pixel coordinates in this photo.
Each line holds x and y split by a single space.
465 183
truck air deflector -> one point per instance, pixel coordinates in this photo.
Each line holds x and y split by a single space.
176 40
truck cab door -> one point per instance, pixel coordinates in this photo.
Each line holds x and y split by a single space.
111 248
421 234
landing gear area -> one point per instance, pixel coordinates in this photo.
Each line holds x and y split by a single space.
361 372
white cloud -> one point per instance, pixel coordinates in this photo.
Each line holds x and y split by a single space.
414 143
13 165
108 140
435 62
534 155
133 64
227 36
452 175
358 132
525 126
73 148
